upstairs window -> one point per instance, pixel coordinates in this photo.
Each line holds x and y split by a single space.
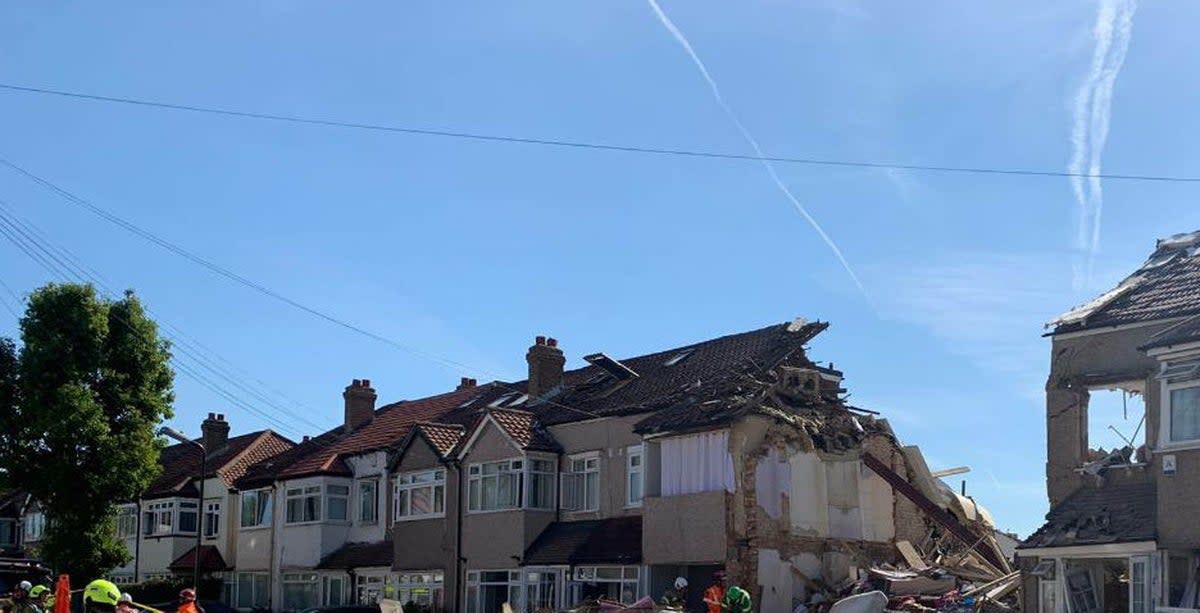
127 522
304 504
212 520
495 486
35 526
337 502
421 494
1185 413
368 501
541 479
187 517
581 483
635 475
158 518
256 508
8 532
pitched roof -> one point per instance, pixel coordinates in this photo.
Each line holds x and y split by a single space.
442 437
1113 513
1186 331
598 541
359 555
181 463
12 503
210 560
523 428
1166 286
325 454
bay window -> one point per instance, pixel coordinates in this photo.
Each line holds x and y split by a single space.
253 590
1185 413
611 582
299 591
541 485
420 495
126 522
256 508
581 483
368 501
488 590
158 518
212 519
188 516
422 588
337 502
494 486
35 526
303 504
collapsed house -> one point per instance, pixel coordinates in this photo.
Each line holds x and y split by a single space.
1120 534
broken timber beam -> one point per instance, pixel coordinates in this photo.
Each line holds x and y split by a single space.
931 508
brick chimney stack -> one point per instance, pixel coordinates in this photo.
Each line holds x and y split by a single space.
360 403
214 432
466 383
545 366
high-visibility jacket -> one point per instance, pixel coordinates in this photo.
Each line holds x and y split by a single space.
713 597
737 600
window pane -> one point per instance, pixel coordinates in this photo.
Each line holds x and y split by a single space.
337 508
439 495
402 503
295 509
339 490
312 508
490 485
1185 414
187 521
593 491
635 488
422 500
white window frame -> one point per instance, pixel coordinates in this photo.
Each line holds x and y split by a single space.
363 502
631 452
407 482
328 590
305 579
548 476
1165 440
477 477
244 579
127 521
262 513
212 509
629 577
34 526
577 495
409 583
302 495
533 584
336 492
158 518
475 583
187 506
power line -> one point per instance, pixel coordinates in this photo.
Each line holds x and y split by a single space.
59 266
571 144
145 234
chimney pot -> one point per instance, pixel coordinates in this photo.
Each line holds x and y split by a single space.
220 417
366 383
212 415
356 383
553 342
540 340
466 383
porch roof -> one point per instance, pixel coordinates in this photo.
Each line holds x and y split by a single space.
616 540
1114 513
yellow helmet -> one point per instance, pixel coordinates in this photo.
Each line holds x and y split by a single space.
38 590
101 592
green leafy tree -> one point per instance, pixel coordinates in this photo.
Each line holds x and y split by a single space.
80 400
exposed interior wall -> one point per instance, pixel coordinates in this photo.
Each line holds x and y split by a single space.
1078 363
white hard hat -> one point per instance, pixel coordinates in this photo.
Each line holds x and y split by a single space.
125 597
25 586
680 583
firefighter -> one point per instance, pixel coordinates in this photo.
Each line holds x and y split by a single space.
101 596
40 595
676 597
187 602
736 600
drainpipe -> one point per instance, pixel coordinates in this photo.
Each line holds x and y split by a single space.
274 542
137 543
459 575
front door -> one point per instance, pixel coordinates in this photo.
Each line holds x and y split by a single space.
1139 584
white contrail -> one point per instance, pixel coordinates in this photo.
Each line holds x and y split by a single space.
1092 113
716 91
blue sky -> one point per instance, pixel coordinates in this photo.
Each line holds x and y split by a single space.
466 250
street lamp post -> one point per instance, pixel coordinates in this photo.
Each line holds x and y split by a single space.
179 436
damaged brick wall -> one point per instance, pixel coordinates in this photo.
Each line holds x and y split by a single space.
910 522
1077 363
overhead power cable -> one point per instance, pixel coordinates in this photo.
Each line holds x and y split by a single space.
573 144
60 263
169 246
